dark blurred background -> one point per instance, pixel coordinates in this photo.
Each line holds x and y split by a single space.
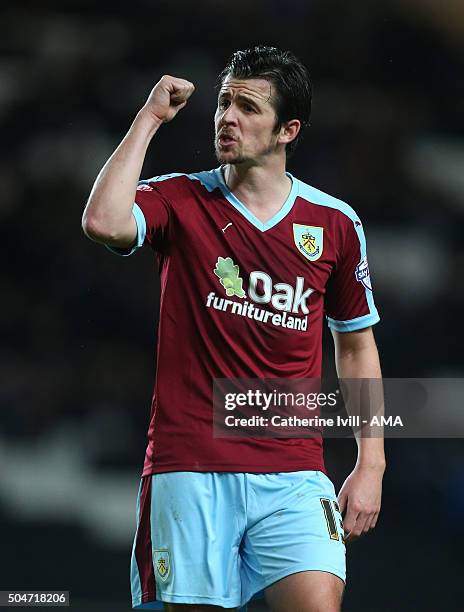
78 325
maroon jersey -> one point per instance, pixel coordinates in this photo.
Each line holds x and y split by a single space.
243 299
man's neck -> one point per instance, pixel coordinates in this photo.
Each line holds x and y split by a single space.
263 190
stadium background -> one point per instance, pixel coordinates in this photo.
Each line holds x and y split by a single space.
78 325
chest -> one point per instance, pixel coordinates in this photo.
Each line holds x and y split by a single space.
303 245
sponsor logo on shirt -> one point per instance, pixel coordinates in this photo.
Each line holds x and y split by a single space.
228 274
362 273
309 240
289 300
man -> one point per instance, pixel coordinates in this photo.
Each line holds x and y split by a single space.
221 519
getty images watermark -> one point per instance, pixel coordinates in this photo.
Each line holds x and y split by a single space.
302 408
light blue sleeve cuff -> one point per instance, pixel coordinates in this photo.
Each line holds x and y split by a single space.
141 233
354 324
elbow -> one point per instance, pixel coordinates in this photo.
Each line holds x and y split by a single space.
104 233
91 228
97 231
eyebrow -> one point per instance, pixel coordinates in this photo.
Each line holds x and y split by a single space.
242 97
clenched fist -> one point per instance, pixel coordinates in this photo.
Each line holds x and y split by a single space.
168 97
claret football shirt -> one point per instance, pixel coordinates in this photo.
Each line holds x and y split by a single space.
243 299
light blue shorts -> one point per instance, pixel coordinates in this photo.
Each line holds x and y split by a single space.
219 538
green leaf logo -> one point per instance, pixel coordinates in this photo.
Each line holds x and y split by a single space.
228 274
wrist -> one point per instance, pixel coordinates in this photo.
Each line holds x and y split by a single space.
376 465
147 121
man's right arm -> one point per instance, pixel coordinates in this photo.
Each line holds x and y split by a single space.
108 215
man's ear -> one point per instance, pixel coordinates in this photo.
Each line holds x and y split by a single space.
289 131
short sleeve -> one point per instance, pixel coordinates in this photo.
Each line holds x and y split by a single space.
349 302
151 211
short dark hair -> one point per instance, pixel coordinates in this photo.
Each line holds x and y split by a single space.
288 75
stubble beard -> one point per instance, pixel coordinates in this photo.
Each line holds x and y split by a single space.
226 158
223 158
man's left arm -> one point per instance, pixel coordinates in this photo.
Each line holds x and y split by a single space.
356 356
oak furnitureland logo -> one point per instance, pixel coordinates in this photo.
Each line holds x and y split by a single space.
288 300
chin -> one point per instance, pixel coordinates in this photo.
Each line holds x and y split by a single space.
227 157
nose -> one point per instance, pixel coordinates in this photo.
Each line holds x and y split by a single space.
229 116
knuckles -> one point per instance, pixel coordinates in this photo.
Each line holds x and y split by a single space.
358 507
168 78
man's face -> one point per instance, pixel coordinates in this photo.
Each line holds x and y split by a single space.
244 121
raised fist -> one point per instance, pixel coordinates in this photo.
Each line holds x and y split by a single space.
168 97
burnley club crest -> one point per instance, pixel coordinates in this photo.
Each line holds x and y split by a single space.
309 240
162 564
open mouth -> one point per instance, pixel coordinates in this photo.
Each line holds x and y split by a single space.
224 140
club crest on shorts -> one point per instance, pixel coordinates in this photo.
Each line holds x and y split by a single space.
162 564
362 273
309 240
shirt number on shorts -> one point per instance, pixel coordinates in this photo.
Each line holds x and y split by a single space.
330 517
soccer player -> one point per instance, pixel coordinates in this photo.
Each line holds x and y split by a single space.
250 260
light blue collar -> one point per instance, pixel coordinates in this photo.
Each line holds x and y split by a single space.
242 209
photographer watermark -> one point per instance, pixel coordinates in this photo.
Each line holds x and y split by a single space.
288 408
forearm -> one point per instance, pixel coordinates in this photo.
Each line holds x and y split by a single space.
108 214
362 361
